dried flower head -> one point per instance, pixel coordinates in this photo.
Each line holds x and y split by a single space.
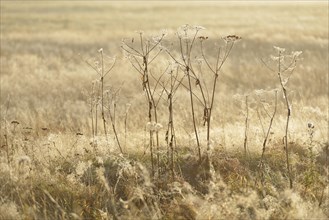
140 32
184 27
164 32
158 39
231 38
202 38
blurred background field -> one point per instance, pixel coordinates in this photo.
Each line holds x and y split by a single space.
43 78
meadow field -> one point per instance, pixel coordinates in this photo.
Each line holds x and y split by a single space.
164 110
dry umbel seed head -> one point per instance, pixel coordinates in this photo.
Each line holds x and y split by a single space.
202 38
232 38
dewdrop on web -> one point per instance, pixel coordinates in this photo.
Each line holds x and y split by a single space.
279 49
296 54
150 126
158 127
274 58
153 126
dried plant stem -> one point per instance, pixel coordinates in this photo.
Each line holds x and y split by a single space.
284 90
93 103
63 213
193 112
172 137
6 131
92 112
116 135
102 95
156 134
325 172
186 57
246 128
96 118
125 124
269 128
209 111
146 88
170 134
153 103
112 117
266 137
98 95
218 66
7 148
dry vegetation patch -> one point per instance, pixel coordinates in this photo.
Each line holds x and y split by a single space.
100 120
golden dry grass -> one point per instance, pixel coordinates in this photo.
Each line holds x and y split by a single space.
45 84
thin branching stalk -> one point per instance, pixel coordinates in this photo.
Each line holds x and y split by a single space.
102 94
102 72
111 114
284 90
125 123
174 84
188 68
269 127
93 101
186 57
8 154
193 112
245 143
283 80
140 60
229 43
185 52
7 148
96 117
92 111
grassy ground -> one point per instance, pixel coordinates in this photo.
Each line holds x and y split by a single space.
50 171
